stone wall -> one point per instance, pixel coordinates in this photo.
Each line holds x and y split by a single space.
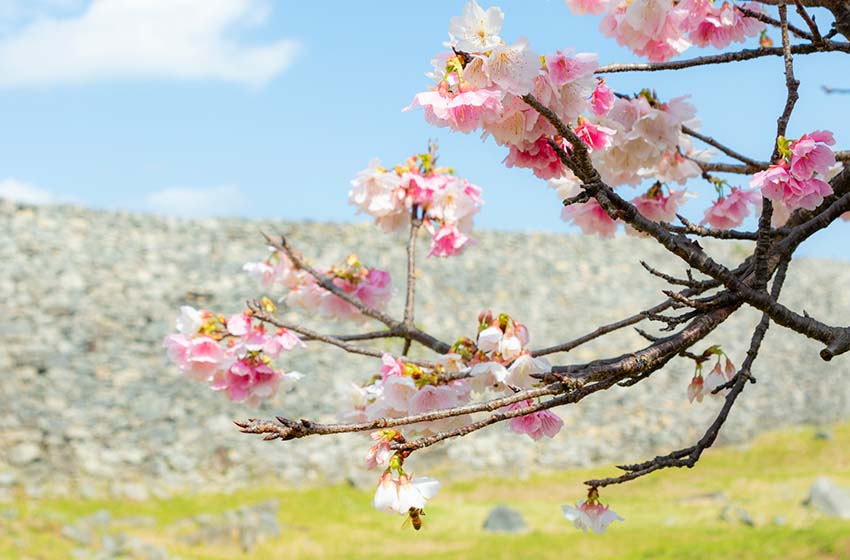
90 405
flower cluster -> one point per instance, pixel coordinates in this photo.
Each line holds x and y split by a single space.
369 285
591 514
404 388
535 425
797 180
646 142
233 355
662 29
445 203
699 387
480 84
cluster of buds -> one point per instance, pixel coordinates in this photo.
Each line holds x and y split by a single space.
232 355
499 357
719 375
420 190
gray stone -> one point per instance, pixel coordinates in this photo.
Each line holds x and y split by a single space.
80 533
503 519
823 435
829 498
24 453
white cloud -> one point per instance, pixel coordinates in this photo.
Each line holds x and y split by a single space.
131 39
197 202
12 189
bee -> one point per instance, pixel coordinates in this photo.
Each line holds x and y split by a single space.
414 517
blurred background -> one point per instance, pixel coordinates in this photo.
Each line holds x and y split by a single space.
146 146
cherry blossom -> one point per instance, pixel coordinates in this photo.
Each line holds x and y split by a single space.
477 29
535 425
582 7
696 388
595 137
799 179
602 98
233 356
399 495
590 514
729 211
379 453
591 218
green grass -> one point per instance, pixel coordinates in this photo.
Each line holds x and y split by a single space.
668 515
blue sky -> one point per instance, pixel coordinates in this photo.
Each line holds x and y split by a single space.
268 109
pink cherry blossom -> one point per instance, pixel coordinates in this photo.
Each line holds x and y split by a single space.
239 325
282 341
247 380
379 453
582 7
595 137
602 98
204 356
462 112
433 397
719 26
651 28
729 211
535 425
448 241
696 389
540 157
374 290
659 207
716 377
777 183
590 515
810 155
591 218
390 366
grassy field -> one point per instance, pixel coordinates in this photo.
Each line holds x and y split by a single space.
674 514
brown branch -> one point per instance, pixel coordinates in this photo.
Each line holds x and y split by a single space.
689 456
739 56
725 167
816 36
410 296
837 339
791 86
764 18
309 334
287 429
325 282
751 163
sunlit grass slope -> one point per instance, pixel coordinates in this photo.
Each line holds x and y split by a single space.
673 514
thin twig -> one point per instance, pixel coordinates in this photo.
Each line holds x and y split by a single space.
751 163
739 56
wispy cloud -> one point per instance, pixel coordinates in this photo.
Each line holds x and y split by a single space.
197 202
12 189
132 39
